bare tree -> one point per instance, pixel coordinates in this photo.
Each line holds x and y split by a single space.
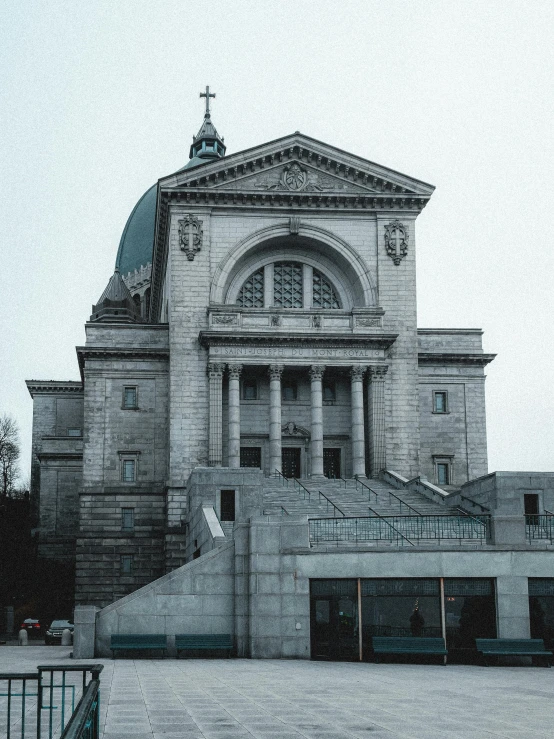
9 455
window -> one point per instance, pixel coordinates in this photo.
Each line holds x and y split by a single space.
128 470
249 390
287 285
329 391
287 288
324 295
227 505
440 401
126 564
443 473
74 432
289 391
127 519
252 292
130 397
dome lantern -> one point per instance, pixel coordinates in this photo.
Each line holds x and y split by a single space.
207 144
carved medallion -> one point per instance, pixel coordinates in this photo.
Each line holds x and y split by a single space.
225 319
190 236
294 177
396 241
368 321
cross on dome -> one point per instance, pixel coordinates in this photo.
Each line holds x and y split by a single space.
207 95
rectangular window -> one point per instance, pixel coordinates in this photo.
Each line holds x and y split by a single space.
127 519
130 397
126 564
443 473
290 390
329 391
128 470
440 401
250 390
227 505
74 432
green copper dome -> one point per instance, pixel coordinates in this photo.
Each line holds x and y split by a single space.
137 240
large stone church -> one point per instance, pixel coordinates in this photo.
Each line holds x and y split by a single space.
262 441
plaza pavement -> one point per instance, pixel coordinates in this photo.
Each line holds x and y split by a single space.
278 699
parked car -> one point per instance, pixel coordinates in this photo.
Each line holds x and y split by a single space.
33 627
54 631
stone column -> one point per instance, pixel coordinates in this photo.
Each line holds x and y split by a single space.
358 443
234 414
215 373
275 461
376 412
316 447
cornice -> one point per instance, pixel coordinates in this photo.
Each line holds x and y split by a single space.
480 360
217 338
85 352
53 387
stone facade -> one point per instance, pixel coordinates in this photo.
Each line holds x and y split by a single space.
262 380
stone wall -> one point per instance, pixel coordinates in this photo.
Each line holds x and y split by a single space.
194 599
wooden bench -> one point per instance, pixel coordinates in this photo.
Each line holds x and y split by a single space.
409 645
121 642
513 648
189 642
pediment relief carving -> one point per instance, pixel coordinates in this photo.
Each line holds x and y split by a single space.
294 177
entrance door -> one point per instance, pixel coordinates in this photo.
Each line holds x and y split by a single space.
331 462
291 461
334 620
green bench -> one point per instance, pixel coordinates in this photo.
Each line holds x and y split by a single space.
189 642
409 645
513 648
120 642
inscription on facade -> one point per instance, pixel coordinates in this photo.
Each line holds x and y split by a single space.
301 352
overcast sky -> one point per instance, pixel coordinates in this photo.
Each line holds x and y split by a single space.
100 99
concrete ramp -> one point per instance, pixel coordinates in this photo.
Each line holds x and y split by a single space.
197 598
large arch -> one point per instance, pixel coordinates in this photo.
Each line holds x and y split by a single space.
317 246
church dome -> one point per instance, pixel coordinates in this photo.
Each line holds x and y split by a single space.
137 240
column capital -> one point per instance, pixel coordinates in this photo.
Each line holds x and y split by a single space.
316 371
357 372
215 369
377 371
275 371
234 371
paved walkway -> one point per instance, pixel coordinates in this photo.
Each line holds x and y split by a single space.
278 699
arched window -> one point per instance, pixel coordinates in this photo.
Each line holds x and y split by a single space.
287 285
251 294
286 288
324 295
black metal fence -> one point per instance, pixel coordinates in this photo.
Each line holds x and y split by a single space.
539 527
56 702
400 530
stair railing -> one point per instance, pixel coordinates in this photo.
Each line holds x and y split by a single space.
302 487
344 480
371 490
402 502
391 526
285 511
335 507
284 480
483 508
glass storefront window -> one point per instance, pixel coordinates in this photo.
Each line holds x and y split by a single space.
541 610
470 612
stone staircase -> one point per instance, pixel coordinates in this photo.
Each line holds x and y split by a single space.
351 498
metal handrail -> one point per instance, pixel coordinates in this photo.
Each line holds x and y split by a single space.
285 510
343 479
336 508
278 473
304 488
371 490
391 526
85 722
403 502
483 508
548 513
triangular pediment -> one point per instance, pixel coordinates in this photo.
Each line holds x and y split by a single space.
296 164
